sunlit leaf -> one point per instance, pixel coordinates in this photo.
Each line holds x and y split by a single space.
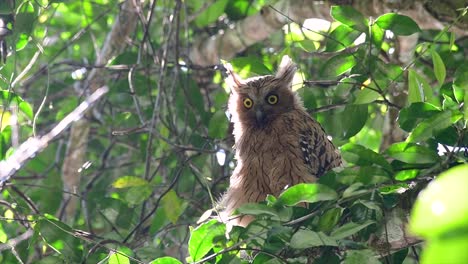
166 260
438 208
378 35
211 14
117 258
240 8
340 38
306 238
398 24
306 192
7 99
405 175
349 16
449 250
365 96
338 64
129 181
246 66
202 238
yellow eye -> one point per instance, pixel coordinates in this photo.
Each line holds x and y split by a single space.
272 99
248 103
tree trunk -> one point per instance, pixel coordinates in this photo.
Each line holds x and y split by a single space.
116 41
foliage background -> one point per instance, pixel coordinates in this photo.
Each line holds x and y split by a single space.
159 152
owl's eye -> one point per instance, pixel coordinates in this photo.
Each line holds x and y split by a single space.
248 103
272 99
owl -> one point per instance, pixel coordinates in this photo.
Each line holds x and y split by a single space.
277 143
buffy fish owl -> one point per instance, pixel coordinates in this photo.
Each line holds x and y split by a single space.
277 143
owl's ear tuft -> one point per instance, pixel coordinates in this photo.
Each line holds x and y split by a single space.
286 71
233 80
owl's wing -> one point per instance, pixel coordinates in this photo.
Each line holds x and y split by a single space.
318 151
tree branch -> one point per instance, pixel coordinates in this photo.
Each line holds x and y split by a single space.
31 147
258 27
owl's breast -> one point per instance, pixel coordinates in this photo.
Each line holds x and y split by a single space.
272 156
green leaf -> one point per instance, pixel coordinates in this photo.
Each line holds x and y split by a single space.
378 35
218 126
372 175
202 238
439 67
405 175
166 260
349 229
211 14
245 66
410 116
329 219
307 45
415 89
137 195
173 206
7 98
275 214
340 38
338 64
451 250
460 87
398 24
365 96
129 181
306 238
3 235
349 16
355 189
117 258
441 207
353 119
59 236
239 9
361 156
306 192
435 124
24 20
360 256
412 153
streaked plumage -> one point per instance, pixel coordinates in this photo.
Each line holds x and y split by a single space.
277 143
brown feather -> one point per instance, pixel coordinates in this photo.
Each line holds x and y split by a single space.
285 148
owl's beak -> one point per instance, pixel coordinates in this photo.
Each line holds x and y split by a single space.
260 116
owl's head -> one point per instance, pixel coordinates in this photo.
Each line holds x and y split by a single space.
260 100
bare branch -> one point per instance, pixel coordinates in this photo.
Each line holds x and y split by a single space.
35 145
